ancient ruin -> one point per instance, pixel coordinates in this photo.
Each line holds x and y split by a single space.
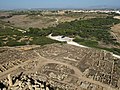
58 67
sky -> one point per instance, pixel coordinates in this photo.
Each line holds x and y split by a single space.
28 4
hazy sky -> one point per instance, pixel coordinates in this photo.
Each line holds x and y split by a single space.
14 4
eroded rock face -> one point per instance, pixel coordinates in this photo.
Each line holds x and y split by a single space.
63 67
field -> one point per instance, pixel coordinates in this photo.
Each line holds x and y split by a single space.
26 20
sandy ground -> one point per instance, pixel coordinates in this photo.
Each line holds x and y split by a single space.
117 17
65 39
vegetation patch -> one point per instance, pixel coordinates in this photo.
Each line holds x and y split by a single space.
90 32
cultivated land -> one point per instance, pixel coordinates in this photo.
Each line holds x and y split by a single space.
30 60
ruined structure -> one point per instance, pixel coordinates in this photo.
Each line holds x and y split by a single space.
58 67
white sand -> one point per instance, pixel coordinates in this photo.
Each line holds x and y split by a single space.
117 17
66 39
117 56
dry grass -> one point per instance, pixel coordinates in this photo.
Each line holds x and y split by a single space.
25 21
37 21
116 31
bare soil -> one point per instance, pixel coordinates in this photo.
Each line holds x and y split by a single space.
24 21
116 32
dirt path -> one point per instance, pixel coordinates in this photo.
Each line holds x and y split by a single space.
43 61
14 70
46 61
66 39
